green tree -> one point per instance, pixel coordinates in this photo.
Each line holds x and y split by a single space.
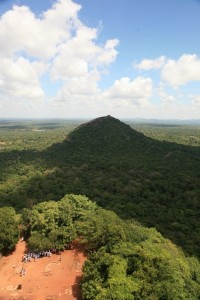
39 242
101 228
9 229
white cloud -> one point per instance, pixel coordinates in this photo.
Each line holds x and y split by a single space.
56 43
58 46
21 30
28 44
148 64
82 96
108 54
78 56
19 79
79 89
165 97
136 91
182 71
75 55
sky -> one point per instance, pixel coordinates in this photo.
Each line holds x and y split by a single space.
90 58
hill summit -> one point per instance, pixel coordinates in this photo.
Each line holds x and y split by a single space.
106 132
154 182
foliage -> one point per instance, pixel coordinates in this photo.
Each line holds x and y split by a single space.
141 179
51 225
125 260
101 228
9 232
154 182
186 134
140 265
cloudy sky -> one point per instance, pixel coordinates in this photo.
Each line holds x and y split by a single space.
89 58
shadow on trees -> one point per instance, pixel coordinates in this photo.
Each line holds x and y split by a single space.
156 183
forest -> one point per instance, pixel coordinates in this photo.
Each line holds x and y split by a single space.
130 191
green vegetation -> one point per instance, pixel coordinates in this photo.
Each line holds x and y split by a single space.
50 225
148 177
154 182
9 231
129 261
35 135
175 133
125 259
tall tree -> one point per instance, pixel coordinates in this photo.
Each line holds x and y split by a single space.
9 230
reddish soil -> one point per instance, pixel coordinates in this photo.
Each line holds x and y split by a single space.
47 278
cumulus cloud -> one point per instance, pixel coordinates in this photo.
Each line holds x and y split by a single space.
182 71
55 43
80 55
56 46
81 89
108 53
18 78
20 29
124 97
148 64
136 92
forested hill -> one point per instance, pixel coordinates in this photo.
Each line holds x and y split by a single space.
105 136
156 183
112 139
106 132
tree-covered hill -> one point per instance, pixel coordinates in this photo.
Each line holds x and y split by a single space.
157 183
106 133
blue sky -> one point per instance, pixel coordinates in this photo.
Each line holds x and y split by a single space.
86 58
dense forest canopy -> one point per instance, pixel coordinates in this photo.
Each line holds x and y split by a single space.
148 175
125 259
9 230
155 182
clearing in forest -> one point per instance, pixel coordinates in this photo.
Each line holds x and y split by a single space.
48 278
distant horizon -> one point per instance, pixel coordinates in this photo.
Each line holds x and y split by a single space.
139 120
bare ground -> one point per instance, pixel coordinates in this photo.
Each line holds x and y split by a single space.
47 278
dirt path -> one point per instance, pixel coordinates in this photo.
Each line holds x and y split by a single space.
47 278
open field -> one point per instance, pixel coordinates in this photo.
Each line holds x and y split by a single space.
48 278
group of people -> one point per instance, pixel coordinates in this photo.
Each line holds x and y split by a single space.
33 256
22 272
